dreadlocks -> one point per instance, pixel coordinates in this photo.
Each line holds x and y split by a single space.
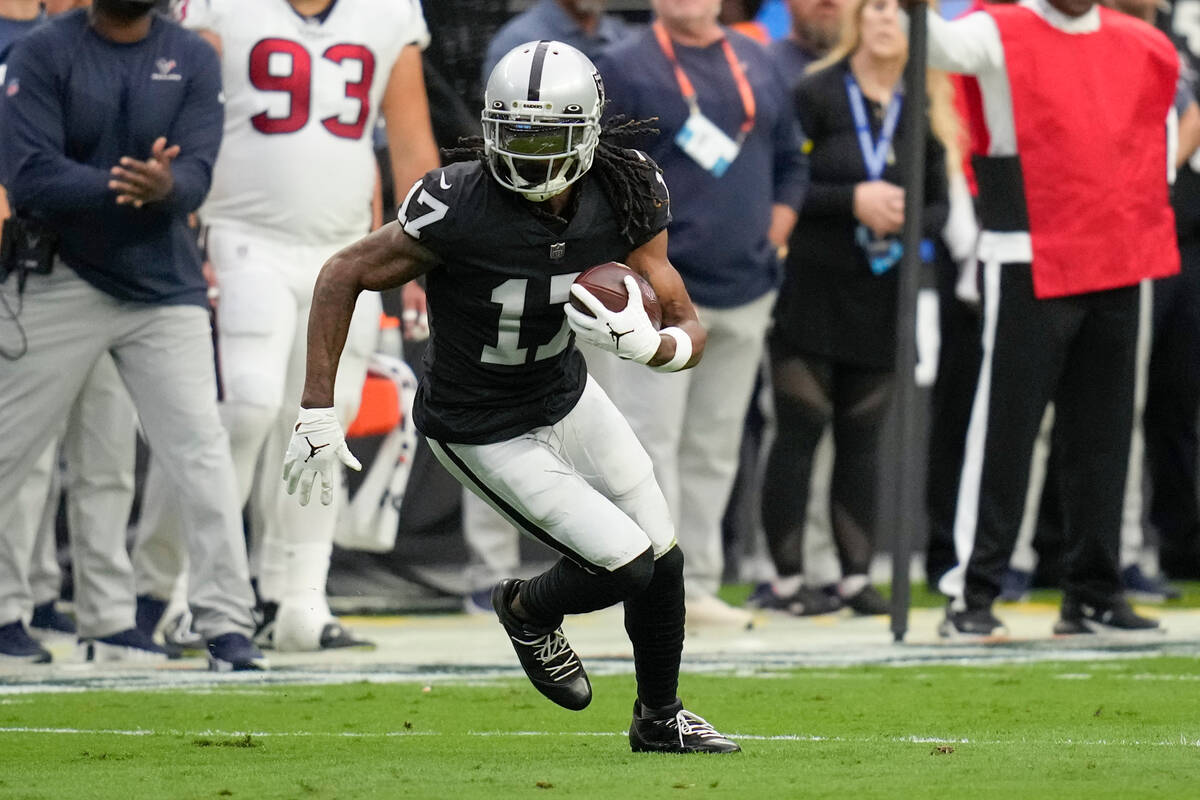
626 178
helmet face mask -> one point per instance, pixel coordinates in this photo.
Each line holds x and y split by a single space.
541 119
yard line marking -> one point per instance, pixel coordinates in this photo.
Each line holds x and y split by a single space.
1182 741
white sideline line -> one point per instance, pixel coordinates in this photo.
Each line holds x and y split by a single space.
1182 741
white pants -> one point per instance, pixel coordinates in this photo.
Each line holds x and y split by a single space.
583 486
266 292
164 357
691 424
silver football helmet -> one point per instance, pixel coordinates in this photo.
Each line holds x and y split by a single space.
541 118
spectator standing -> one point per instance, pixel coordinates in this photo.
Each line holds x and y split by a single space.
579 23
107 265
1173 386
834 341
1065 242
729 146
816 28
306 81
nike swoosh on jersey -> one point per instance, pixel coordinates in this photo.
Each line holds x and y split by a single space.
442 181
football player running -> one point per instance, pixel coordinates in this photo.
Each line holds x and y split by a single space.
305 82
506 403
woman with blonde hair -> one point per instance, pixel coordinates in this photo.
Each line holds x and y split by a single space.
833 345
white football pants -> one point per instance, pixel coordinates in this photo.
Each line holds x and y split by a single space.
583 486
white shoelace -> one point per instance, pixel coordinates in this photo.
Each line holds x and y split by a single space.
550 647
691 724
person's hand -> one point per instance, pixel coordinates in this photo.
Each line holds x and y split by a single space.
140 182
415 317
317 446
214 288
880 206
627 333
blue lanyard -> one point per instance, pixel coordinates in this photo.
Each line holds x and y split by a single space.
874 153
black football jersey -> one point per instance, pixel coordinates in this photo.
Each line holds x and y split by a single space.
502 359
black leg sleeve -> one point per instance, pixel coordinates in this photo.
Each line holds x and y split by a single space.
654 622
567 588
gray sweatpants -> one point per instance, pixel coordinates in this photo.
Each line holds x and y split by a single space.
164 356
98 447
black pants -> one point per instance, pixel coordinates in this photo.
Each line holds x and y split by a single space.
809 393
950 412
1078 351
1172 403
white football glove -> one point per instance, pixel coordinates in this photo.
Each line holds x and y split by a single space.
317 446
627 333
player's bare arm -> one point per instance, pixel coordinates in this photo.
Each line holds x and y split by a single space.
385 259
650 261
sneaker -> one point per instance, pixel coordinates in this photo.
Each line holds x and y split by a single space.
675 730
478 602
711 611
805 602
48 620
974 623
547 658
129 646
335 636
868 602
148 613
1145 589
16 644
1015 585
1118 616
233 652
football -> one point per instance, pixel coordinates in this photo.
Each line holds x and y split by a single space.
606 282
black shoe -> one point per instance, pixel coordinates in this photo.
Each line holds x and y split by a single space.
149 611
547 657
334 636
675 730
17 645
124 646
804 602
867 603
1117 616
974 623
47 619
1015 585
233 652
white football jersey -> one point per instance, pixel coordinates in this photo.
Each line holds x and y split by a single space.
301 102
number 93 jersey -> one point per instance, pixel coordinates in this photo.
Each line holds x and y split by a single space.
502 359
301 101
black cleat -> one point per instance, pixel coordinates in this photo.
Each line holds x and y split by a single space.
546 656
233 652
804 602
974 623
675 730
1116 617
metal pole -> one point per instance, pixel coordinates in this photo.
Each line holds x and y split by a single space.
908 470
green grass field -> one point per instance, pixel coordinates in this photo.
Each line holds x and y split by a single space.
1125 728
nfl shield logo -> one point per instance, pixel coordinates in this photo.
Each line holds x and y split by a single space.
558 250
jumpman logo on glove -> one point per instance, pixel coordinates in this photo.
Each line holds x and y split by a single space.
616 337
314 448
